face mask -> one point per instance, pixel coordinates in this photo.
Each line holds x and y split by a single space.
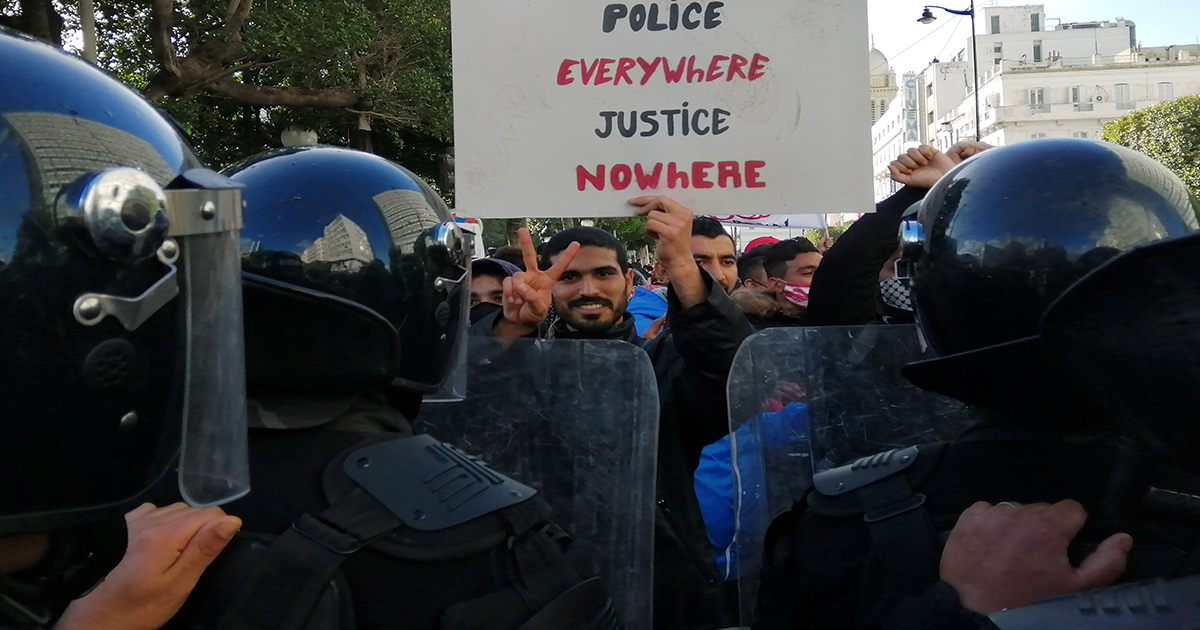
896 294
796 294
483 309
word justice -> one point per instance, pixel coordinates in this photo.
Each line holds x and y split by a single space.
686 70
698 121
726 174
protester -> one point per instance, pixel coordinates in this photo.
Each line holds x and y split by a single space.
788 268
511 255
714 251
1029 334
587 280
487 285
856 281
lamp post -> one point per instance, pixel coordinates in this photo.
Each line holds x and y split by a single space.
927 17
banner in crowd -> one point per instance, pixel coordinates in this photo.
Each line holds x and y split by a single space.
569 109
792 221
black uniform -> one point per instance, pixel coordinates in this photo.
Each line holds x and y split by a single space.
827 567
317 551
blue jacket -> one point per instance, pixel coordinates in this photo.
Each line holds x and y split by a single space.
717 481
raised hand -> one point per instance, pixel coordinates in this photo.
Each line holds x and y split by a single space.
965 149
1007 555
669 223
528 294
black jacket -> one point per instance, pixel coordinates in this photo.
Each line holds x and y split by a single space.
822 570
845 287
691 365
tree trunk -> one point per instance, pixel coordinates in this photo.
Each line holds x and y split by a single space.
87 23
39 19
510 230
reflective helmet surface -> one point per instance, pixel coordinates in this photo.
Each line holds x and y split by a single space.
91 411
1007 231
354 272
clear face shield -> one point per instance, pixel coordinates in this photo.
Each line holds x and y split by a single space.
192 227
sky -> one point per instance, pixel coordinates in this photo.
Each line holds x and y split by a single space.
910 45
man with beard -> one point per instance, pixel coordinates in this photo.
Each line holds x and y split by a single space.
588 281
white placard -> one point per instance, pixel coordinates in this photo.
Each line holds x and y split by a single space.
570 108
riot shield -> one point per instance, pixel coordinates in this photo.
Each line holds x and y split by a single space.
578 421
804 400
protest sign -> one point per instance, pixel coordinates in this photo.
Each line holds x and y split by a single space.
568 109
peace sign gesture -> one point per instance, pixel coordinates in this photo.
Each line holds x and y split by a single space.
527 294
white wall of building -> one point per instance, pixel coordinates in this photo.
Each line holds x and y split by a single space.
1024 103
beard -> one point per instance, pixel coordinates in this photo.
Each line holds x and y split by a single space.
598 320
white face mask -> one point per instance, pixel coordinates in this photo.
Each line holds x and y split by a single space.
796 293
896 294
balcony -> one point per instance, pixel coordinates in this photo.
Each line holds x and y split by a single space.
1082 107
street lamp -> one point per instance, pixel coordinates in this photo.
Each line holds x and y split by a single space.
927 17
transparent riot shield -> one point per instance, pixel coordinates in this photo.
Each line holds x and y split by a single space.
804 400
578 421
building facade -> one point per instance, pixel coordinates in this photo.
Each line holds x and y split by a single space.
1035 83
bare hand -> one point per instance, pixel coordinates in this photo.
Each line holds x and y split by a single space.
527 294
168 549
669 223
965 149
655 327
824 244
1001 556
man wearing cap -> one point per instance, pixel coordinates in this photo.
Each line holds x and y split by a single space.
487 285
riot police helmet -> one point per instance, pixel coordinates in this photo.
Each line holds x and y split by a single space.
1004 234
355 274
120 337
1007 231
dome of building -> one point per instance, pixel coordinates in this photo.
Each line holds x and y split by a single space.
879 64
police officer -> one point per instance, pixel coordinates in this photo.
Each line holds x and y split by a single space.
356 294
995 243
104 386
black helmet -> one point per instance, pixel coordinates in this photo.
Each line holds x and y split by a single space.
1004 234
100 200
354 273
1008 230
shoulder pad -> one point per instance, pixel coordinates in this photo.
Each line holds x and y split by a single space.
864 471
429 485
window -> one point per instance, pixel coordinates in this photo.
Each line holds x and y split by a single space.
1078 94
1121 93
1037 97
1036 136
1035 22
882 107
1037 51
929 90
995 24
930 118
998 48
1081 134
1166 91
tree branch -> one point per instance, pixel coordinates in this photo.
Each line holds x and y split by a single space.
285 96
163 13
235 17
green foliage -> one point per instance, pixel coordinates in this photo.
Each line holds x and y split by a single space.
835 231
1168 132
394 53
